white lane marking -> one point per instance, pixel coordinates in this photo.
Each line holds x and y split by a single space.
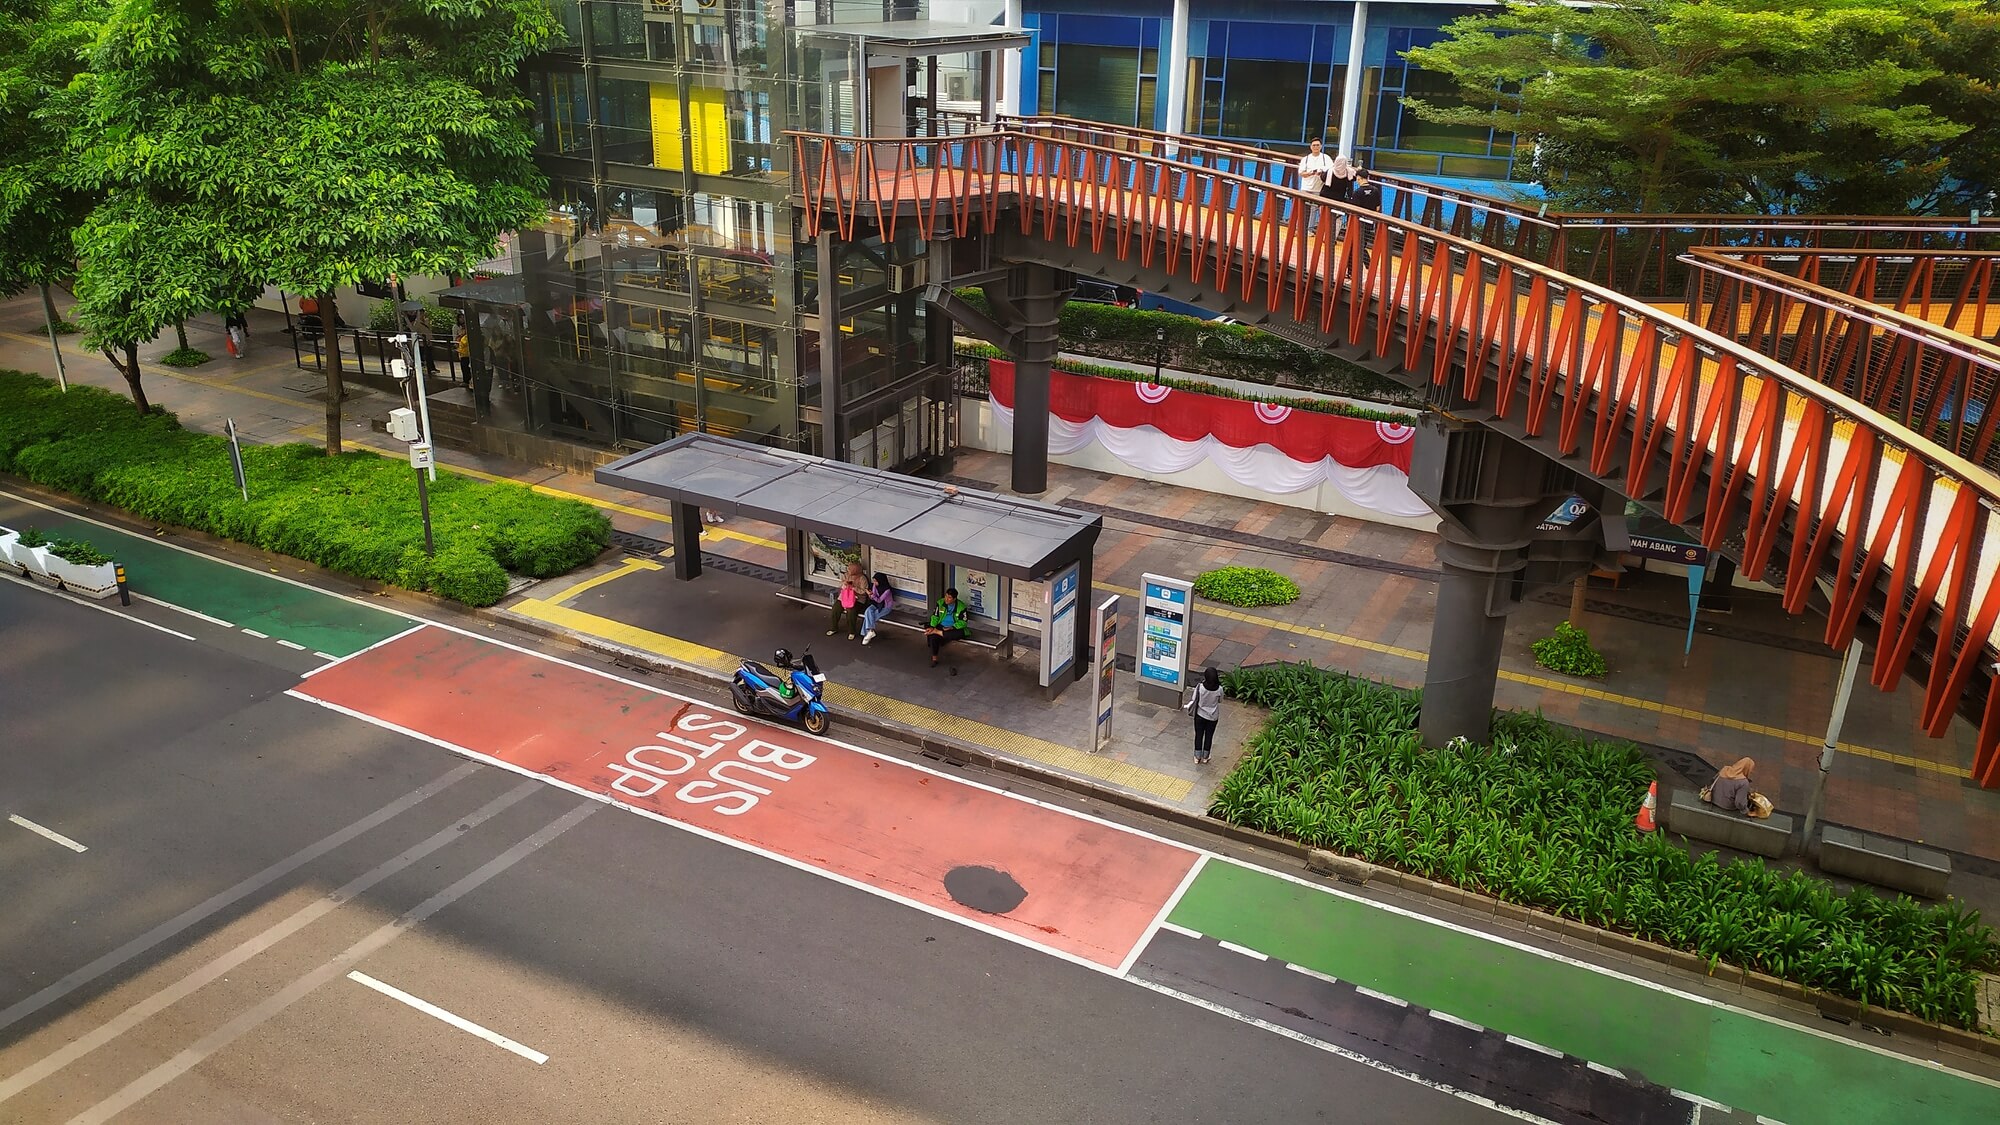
1181 930
48 833
1763 1120
325 655
459 1022
1313 973
1382 996
1531 1045
89 604
1449 1018
338 660
221 899
1600 970
1160 919
291 644
195 613
259 636
1342 1052
1699 1100
250 947
136 1090
715 837
1602 1069
1244 950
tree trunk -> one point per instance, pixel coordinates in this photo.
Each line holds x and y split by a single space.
130 369
1576 597
181 334
49 305
330 334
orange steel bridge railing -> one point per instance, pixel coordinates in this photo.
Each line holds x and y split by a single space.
1638 255
1712 433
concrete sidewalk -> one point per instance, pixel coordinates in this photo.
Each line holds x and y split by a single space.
1758 683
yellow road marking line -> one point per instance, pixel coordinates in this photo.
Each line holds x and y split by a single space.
629 566
1546 684
1008 742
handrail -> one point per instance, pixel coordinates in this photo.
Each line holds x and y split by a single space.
1872 353
1592 375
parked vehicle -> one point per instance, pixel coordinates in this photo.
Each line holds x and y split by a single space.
792 692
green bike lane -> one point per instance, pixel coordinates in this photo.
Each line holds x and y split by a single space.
234 595
1752 1063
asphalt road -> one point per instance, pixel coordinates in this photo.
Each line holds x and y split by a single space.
246 851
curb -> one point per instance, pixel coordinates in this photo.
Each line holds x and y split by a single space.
1829 1005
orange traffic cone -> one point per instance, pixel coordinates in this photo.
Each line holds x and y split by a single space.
1644 821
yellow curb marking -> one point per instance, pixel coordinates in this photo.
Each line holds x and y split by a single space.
627 567
1547 684
1164 786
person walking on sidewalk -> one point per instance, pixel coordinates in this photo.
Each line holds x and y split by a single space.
848 600
236 331
949 622
881 599
1204 702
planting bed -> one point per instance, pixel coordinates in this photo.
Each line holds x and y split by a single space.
1543 818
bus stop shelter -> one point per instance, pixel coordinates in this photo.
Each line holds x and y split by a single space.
922 533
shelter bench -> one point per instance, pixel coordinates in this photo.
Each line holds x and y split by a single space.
1004 646
1884 862
1689 815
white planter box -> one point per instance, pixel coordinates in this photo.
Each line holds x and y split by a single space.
100 581
8 539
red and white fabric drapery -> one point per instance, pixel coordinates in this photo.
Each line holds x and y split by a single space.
1260 445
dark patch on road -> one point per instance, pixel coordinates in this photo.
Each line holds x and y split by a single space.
985 889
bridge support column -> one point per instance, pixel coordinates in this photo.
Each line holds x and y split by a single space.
1023 322
1491 494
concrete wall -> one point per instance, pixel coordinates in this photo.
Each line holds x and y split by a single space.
977 430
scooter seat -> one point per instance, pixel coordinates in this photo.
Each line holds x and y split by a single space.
763 673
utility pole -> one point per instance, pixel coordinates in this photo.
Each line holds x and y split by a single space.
413 321
1816 804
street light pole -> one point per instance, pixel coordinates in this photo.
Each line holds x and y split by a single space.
413 317
1159 352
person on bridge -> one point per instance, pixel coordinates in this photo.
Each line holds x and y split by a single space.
881 599
1204 702
949 622
1731 789
1316 170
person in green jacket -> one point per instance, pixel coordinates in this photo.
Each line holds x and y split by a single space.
949 622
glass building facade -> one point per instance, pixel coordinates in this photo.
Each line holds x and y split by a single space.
1270 73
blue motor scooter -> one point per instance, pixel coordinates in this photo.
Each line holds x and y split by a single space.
791 693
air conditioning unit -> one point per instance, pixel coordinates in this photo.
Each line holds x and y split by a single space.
956 88
908 276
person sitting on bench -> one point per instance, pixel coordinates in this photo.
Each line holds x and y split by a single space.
1731 789
950 622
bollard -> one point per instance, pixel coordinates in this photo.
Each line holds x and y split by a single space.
124 593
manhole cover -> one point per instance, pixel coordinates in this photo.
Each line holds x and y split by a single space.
985 889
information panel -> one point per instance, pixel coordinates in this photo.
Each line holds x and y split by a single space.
1059 614
1105 629
1167 613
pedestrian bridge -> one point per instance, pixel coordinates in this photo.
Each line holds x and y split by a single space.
1811 397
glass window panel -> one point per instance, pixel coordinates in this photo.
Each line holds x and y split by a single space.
617 30
625 120
1264 101
1414 132
1098 83
560 113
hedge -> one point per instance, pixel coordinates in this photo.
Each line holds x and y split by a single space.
356 513
1543 818
1205 347
1247 586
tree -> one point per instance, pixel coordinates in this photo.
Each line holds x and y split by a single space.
1705 105
42 45
319 145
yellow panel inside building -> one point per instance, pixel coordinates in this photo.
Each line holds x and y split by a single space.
707 122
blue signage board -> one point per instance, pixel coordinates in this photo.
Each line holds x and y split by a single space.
1163 634
1059 625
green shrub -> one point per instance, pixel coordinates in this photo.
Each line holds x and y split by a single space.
356 513
1246 586
77 552
34 537
469 575
1541 817
386 316
185 357
1568 651
67 328
1126 374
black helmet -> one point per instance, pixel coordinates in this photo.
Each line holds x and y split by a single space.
784 657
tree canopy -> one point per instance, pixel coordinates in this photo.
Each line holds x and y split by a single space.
1733 105
310 145
41 49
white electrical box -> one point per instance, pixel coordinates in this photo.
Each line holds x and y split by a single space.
403 424
420 455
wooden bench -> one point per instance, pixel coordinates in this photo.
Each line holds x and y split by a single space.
1689 815
1884 862
1003 646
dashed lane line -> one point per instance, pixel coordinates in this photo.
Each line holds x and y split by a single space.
459 1022
47 833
